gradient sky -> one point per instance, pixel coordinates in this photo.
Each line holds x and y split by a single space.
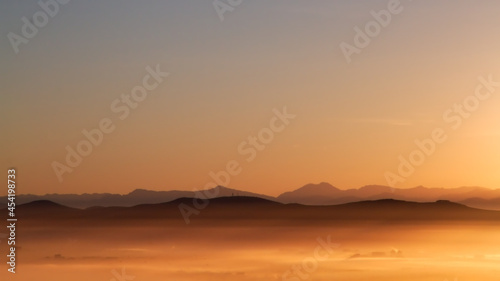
352 120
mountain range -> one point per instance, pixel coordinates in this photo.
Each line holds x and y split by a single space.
310 194
250 210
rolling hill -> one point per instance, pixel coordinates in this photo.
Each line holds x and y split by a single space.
310 194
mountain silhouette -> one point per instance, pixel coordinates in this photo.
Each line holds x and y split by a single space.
312 194
309 194
242 208
325 194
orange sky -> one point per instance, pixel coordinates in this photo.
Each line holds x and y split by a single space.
352 122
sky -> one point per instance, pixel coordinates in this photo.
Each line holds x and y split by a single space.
232 71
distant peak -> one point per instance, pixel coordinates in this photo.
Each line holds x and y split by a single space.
140 191
313 188
321 184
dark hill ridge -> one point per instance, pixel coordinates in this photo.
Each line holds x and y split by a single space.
242 200
45 209
43 204
136 197
241 208
310 194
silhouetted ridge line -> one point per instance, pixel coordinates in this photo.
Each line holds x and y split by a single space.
322 194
